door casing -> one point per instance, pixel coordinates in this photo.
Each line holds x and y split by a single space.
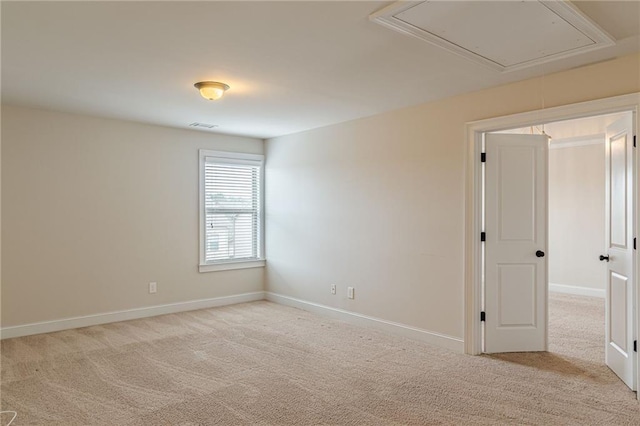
474 207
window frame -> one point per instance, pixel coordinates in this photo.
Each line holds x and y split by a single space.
231 158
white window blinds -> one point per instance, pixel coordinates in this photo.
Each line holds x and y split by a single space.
232 209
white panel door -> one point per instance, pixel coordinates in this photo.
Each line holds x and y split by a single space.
619 353
516 177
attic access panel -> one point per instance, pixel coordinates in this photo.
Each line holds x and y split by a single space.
503 35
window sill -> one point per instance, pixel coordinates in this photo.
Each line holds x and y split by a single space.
226 266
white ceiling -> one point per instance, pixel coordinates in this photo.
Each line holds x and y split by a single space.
292 66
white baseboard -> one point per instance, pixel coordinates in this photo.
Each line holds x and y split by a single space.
580 291
437 339
151 311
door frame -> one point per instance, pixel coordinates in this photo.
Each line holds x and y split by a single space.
473 199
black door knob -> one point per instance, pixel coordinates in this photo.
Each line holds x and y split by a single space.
602 257
539 253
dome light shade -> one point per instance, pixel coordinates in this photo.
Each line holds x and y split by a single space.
211 90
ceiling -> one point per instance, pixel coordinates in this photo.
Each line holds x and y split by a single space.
292 66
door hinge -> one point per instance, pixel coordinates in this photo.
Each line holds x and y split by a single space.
483 236
483 157
483 316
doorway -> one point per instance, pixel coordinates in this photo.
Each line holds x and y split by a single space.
475 305
577 279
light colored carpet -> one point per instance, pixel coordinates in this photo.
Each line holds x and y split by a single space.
265 364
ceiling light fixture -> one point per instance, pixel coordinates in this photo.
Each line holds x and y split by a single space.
211 90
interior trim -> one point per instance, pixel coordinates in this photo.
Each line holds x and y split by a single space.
577 141
129 314
580 291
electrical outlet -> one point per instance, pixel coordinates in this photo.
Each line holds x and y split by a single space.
153 287
350 293
333 289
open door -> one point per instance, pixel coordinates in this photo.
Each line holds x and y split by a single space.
516 179
619 353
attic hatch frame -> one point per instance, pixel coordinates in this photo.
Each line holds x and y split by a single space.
474 132
563 9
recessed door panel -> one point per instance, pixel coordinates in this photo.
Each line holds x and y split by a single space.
618 191
517 298
517 190
618 331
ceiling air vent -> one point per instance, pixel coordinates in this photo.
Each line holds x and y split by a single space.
503 35
203 125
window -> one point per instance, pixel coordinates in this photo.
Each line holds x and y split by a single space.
231 213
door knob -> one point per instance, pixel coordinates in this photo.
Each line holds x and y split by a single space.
602 257
539 253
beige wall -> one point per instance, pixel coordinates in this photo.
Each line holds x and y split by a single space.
378 203
0 238
95 209
576 216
